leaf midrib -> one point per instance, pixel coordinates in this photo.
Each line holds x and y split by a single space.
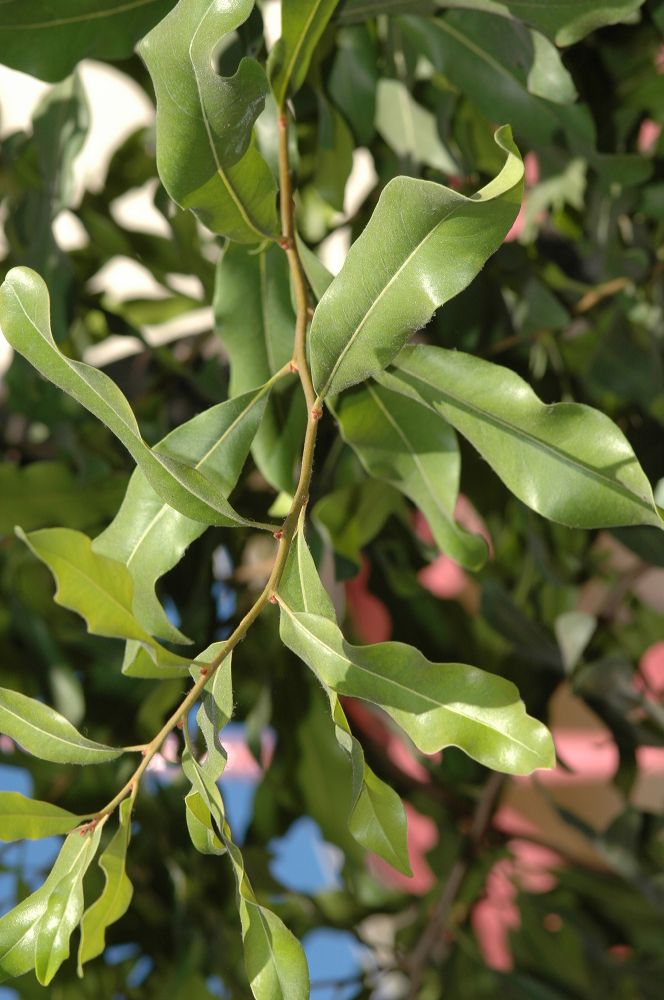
411 691
535 442
84 744
78 18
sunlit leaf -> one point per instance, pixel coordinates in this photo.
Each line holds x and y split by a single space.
393 279
116 895
22 818
47 734
24 318
567 461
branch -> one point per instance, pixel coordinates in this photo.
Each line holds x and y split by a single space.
287 532
432 936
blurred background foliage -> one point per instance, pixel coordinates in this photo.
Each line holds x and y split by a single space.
556 889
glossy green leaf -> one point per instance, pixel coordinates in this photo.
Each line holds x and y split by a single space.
24 308
567 461
206 156
22 818
48 40
116 895
423 244
399 440
302 24
147 535
505 68
377 819
63 911
19 928
565 23
37 495
255 320
410 129
47 734
436 704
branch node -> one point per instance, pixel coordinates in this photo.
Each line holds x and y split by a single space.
286 244
272 598
279 534
316 413
293 366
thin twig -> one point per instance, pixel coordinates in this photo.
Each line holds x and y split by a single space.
432 938
287 532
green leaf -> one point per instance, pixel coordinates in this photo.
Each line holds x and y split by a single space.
565 23
398 439
409 129
377 819
504 68
48 40
27 819
206 155
24 307
37 495
302 24
97 588
353 78
147 535
423 244
47 734
567 461
352 516
436 704
116 895
255 320
62 912
200 826
334 154
19 928
274 960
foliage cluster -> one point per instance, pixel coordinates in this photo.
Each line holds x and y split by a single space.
334 413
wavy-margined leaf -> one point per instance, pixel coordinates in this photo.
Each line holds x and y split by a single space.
20 927
116 895
63 912
436 704
148 535
423 244
377 819
48 40
567 461
22 818
45 733
24 318
399 440
274 960
97 588
254 318
302 24
206 156
565 23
